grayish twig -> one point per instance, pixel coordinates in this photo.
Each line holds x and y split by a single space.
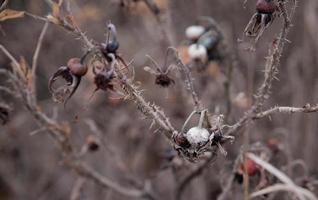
286 110
77 189
301 192
4 5
37 52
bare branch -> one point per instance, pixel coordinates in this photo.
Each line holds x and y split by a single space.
271 70
36 53
4 5
279 174
77 189
149 110
85 171
189 84
283 187
9 55
286 110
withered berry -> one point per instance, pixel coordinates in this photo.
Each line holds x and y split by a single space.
181 140
164 80
93 143
103 80
266 6
76 67
72 74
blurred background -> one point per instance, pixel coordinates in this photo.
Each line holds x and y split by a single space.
30 165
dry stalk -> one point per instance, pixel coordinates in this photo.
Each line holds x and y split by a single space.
288 185
37 52
77 189
286 110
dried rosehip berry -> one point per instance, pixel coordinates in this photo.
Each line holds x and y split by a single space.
93 143
250 167
164 80
181 140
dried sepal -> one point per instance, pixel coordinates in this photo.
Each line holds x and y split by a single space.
151 71
262 19
161 73
63 93
104 80
164 80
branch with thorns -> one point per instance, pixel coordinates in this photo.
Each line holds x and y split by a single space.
60 132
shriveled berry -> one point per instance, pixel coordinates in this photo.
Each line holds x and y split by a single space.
76 67
181 140
93 143
250 167
266 6
164 80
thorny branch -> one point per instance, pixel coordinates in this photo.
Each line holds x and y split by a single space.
149 110
288 110
189 84
271 70
61 132
300 192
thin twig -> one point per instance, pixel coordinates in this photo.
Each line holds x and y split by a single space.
163 26
149 110
4 5
277 173
7 90
85 171
77 189
286 110
189 84
8 54
283 187
37 52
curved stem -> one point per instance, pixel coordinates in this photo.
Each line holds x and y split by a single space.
187 121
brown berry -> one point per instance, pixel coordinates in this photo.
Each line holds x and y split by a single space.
181 140
164 80
250 167
76 67
93 143
266 6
